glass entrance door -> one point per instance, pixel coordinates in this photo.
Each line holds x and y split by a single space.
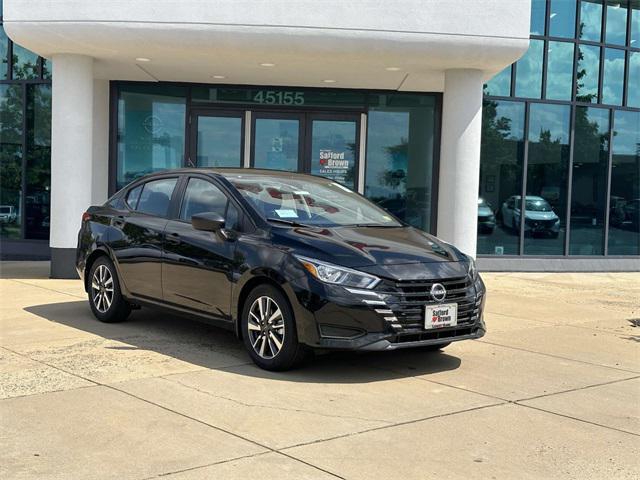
217 139
277 141
333 145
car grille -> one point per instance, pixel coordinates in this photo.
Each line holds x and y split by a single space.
541 223
407 300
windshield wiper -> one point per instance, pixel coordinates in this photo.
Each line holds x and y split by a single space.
377 225
288 222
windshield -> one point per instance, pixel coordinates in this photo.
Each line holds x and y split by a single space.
5 209
308 201
538 205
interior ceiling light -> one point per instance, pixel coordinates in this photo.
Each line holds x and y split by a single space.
219 77
267 64
329 81
393 69
143 59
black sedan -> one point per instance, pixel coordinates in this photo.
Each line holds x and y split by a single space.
292 263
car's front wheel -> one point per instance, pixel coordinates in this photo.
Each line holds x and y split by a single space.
106 300
268 330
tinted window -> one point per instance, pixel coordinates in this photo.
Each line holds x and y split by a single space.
538 9
232 218
156 197
633 94
613 78
590 20
616 28
562 18
559 70
133 196
588 71
202 196
500 84
529 71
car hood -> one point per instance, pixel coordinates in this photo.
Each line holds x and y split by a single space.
367 248
540 215
484 211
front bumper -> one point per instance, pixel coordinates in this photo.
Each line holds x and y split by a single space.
387 318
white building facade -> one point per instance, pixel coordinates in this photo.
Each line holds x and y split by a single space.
385 97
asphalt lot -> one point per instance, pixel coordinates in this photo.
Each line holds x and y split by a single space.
552 391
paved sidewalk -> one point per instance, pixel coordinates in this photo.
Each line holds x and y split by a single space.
552 391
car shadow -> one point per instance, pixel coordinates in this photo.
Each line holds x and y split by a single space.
201 344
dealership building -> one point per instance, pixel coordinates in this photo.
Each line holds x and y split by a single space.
455 115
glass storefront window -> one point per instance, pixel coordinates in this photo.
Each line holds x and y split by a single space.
588 72
624 202
500 84
151 125
334 150
11 118
562 18
538 10
590 20
616 25
38 162
4 53
25 63
399 168
529 71
559 70
634 41
46 69
613 76
548 160
589 181
277 143
633 93
501 157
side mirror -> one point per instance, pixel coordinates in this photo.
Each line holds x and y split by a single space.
207 221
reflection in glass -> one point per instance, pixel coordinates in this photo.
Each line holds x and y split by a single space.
633 94
219 142
562 18
25 63
547 168
11 107
333 150
151 121
501 156
500 84
560 70
46 69
588 72
4 52
635 24
538 9
590 20
399 168
616 27
276 143
589 181
613 76
624 202
529 71
38 159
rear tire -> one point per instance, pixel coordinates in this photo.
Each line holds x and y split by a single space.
269 330
105 297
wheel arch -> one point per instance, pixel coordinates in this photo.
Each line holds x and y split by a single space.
91 259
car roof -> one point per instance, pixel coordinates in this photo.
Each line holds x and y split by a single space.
232 171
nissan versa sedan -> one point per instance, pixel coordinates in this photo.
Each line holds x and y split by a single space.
291 263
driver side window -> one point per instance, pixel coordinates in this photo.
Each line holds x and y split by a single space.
202 196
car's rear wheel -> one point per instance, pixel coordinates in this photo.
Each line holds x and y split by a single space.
105 297
269 331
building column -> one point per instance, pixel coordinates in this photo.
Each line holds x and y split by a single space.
71 156
460 159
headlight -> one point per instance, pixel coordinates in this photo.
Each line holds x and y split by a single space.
329 273
473 271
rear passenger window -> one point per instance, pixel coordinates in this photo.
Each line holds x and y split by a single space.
202 196
133 196
156 197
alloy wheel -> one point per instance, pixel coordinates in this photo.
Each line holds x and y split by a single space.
102 288
266 327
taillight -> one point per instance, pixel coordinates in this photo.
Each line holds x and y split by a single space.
86 216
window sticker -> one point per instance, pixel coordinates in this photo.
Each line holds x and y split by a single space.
287 213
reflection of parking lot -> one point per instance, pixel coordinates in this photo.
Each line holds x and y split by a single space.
588 241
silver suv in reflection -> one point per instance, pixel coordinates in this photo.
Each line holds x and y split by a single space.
539 217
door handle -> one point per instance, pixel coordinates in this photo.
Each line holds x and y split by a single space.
173 238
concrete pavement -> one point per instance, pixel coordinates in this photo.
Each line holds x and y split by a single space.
552 391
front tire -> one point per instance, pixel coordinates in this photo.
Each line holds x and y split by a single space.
269 331
105 297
